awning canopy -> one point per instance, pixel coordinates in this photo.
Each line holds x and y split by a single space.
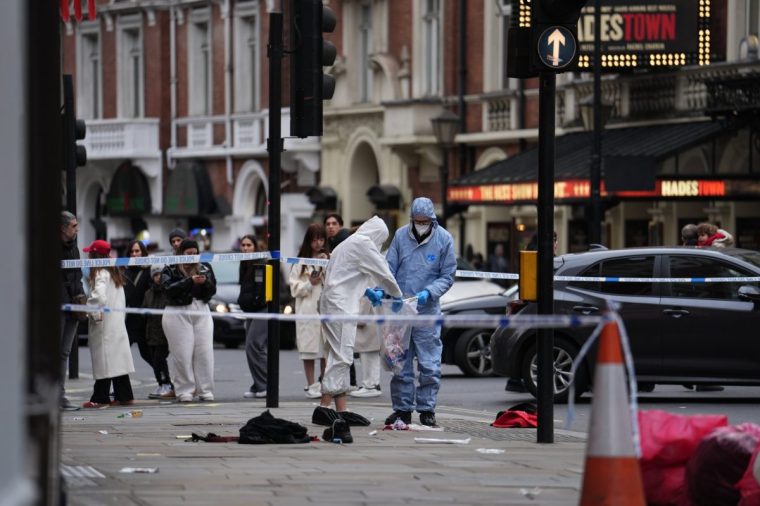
323 198
385 196
637 151
129 193
189 191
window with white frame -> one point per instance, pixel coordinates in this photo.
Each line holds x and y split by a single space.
431 40
247 57
365 52
505 18
753 17
89 77
199 63
130 67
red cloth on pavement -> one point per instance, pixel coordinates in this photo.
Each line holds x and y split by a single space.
515 419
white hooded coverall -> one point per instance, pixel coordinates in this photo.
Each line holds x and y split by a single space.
355 265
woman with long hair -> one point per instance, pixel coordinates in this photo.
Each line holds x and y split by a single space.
136 283
191 336
108 339
256 331
306 287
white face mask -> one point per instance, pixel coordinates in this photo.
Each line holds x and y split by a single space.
422 229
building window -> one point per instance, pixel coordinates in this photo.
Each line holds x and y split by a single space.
505 17
247 57
366 50
130 71
199 66
753 17
431 40
89 89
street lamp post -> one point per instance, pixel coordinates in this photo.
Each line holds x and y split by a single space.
595 114
446 126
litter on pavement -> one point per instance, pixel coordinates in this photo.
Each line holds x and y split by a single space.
139 470
490 451
446 441
104 432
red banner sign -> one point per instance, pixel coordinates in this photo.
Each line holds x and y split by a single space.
579 189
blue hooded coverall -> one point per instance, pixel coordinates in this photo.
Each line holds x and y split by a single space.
430 266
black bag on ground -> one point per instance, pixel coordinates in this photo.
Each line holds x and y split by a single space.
266 429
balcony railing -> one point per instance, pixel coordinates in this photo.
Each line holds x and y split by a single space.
204 135
678 93
122 138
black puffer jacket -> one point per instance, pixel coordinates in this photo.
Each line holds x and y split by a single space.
136 283
71 282
180 290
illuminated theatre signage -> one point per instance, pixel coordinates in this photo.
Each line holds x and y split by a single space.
647 33
578 189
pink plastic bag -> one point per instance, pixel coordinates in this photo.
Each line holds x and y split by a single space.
719 464
667 443
749 485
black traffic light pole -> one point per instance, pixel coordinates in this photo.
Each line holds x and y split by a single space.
595 176
545 344
274 147
70 169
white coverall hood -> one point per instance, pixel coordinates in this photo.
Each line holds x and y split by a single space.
376 229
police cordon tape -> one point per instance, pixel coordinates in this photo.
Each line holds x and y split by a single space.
265 255
482 321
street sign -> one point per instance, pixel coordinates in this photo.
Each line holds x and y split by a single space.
556 47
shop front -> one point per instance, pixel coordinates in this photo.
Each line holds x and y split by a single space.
655 180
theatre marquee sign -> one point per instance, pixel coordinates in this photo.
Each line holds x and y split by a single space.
579 190
647 33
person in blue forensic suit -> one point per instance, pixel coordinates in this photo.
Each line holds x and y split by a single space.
422 259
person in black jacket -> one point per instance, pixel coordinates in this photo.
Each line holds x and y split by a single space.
136 283
155 298
256 331
191 336
336 234
72 292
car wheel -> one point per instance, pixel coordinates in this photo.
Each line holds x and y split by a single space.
564 358
472 353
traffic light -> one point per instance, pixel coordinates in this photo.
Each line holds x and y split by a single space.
74 154
309 86
551 20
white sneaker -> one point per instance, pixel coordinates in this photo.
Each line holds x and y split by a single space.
248 395
156 394
260 395
206 397
314 391
366 392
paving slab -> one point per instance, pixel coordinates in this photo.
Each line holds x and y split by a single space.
388 467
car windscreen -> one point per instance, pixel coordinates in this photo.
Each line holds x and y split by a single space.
226 272
751 257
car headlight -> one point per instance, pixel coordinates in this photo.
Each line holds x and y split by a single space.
219 306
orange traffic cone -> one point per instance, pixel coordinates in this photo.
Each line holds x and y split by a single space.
612 475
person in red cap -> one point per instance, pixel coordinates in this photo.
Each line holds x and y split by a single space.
108 339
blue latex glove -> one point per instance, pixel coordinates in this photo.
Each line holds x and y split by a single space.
374 296
398 304
422 297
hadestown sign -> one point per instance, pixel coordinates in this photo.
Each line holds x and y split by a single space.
637 33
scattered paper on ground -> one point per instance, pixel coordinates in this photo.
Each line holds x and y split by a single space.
414 426
446 441
134 470
530 493
490 451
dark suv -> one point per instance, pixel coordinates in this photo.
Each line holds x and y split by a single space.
680 333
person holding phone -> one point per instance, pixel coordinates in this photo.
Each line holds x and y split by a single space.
190 336
256 331
306 287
